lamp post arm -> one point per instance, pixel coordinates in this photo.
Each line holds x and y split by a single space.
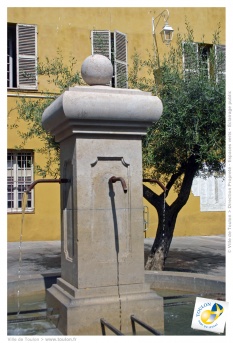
159 16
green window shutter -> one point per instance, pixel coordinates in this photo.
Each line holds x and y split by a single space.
26 36
190 58
101 43
220 62
120 60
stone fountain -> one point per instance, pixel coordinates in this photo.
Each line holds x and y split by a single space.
99 129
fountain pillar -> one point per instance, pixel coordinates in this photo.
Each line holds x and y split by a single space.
102 259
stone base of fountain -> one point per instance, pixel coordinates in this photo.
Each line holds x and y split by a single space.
100 131
80 310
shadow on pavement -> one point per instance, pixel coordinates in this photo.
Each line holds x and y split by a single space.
192 262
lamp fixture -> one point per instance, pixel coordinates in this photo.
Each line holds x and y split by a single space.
167 31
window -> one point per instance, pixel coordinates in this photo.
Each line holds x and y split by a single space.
204 59
114 46
220 62
19 176
21 56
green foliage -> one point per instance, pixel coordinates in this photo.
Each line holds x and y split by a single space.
58 74
30 110
193 119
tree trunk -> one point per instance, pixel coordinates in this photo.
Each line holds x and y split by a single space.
160 248
167 215
166 225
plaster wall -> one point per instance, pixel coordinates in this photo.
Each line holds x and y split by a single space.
69 29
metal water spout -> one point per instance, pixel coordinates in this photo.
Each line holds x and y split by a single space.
32 185
113 179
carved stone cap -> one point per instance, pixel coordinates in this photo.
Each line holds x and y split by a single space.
101 110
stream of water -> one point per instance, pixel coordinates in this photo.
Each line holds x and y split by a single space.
24 204
164 212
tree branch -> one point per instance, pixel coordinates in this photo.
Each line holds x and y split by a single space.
153 198
172 180
191 169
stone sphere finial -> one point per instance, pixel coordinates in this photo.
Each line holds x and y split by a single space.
97 70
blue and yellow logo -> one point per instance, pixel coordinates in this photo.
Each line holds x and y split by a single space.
210 316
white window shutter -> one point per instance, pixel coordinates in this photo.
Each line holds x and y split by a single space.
101 43
220 62
190 58
26 37
120 60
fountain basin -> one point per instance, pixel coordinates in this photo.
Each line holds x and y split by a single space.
178 311
186 282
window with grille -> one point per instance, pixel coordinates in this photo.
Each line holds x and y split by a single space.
204 59
19 176
21 56
114 46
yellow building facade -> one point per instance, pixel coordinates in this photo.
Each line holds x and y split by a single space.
70 30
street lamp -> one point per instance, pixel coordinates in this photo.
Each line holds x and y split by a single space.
167 31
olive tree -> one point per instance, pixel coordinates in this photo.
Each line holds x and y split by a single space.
189 138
